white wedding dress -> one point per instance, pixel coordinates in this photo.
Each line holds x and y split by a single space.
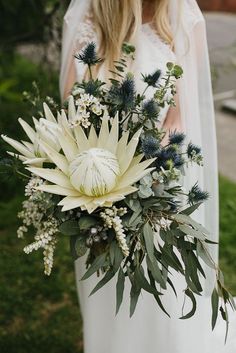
149 330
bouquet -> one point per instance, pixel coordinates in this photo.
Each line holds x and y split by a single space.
99 172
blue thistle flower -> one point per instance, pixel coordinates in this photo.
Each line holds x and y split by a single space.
193 150
150 109
196 195
176 138
122 95
88 55
150 146
164 156
178 160
152 79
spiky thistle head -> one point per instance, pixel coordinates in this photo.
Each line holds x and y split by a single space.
88 55
176 138
194 153
196 195
150 146
150 109
152 79
122 95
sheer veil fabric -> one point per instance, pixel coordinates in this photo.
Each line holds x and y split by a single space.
195 94
149 329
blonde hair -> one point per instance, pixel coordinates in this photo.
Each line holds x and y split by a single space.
118 21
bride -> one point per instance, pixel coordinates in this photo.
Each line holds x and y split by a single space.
162 31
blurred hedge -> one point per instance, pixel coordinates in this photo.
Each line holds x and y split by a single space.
28 21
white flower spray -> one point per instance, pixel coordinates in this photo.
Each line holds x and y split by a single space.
111 218
34 214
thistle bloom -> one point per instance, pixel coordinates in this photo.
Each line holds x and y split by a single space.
31 153
93 171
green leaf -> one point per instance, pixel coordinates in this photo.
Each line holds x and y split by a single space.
142 281
188 211
134 295
108 276
201 252
194 305
96 265
78 247
191 272
157 296
149 240
156 272
215 307
69 227
185 219
86 222
191 231
120 284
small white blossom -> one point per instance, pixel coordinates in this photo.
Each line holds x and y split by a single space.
111 218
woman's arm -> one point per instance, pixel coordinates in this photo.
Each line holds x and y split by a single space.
172 121
71 79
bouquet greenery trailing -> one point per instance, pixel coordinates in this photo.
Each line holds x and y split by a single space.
100 173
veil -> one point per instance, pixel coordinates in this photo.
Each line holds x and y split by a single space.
196 101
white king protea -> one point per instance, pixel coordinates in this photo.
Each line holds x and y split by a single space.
45 129
91 171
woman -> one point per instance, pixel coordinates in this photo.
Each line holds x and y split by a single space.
162 31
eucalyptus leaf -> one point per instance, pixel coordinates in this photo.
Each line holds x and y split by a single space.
194 305
215 307
69 227
86 222
95 266
107 277
191 231
120 289
149 240
156 272
77 246
134 295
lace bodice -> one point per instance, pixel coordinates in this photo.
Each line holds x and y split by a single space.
151 53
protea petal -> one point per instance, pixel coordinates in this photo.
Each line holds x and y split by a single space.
92 139
127 157
37 162
135 173
28 129
19 156
64 123
68 145
58 190
57 158
18 146
53 175
48 113
81 139
121 147
111 144
103 134
71 202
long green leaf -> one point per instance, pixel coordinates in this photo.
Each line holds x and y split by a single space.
194 305
120 289
108 276
215 307
134 295
96 265
191 231
156 272
149 240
